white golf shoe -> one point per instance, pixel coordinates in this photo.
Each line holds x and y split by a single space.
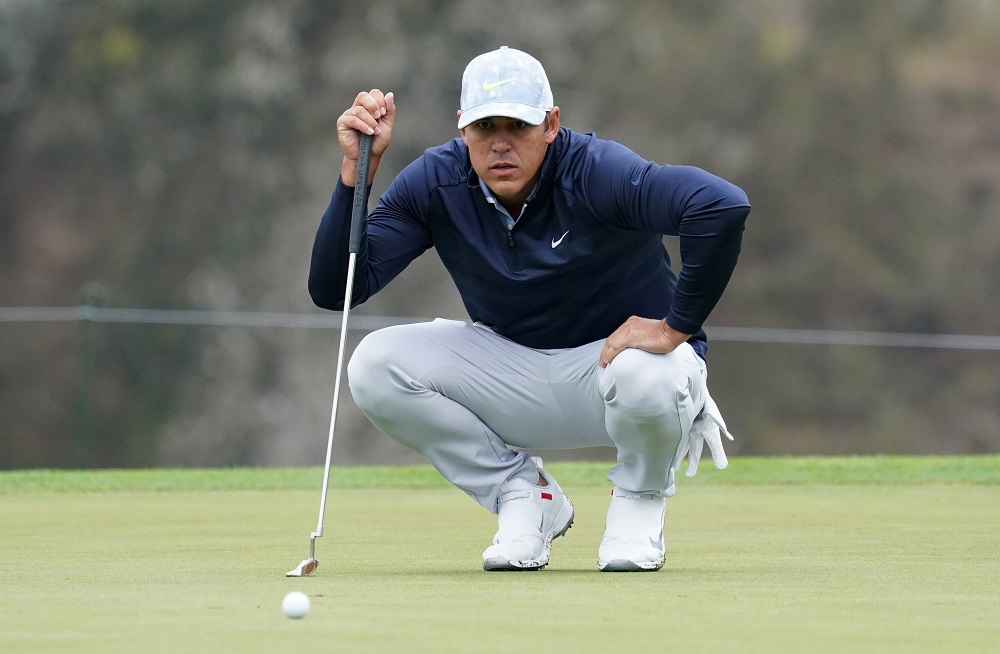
530 517
633 536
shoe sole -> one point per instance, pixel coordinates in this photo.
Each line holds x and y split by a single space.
624 565
498 564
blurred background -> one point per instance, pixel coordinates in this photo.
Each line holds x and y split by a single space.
177 156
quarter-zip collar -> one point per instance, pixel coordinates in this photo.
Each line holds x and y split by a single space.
507 219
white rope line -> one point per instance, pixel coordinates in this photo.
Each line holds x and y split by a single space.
332 319
848 337
196 317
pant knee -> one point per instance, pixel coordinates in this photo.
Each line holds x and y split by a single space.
647 383
369 371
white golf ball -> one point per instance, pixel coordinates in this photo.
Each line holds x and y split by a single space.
295 605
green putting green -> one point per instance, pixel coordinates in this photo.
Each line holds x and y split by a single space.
846 554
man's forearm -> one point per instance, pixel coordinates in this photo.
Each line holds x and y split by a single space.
328 267
710 248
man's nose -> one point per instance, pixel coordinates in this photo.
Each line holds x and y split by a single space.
501 141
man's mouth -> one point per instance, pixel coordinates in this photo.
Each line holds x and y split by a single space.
502 168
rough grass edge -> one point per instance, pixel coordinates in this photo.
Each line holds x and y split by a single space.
833 470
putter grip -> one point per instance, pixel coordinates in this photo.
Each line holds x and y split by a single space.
360 208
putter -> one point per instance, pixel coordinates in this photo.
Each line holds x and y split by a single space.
308 566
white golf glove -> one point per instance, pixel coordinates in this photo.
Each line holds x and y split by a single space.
708 428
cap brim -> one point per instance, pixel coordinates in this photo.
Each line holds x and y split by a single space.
527 113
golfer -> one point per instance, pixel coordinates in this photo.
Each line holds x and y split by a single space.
581 333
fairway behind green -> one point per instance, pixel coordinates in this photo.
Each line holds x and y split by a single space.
880 555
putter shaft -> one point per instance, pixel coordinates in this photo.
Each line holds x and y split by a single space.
358 213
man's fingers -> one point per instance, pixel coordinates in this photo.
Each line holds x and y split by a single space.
679 457
368 108
376 97
373 101
618 341
608 353
363 119
642 334
389 115
694 456
714 440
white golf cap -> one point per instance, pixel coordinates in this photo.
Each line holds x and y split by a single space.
505 82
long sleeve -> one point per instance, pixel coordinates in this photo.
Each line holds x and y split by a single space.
328 267
705 211
709 215
393 235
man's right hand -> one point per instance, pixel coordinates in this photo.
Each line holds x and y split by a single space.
372 113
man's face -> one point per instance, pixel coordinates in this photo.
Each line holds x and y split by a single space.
507 153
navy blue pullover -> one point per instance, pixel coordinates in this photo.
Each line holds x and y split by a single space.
585 254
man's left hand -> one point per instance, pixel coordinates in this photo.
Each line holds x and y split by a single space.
643 334
708 429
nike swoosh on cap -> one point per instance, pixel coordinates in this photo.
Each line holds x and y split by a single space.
489 86
556 243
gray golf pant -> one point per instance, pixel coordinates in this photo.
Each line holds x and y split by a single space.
473 402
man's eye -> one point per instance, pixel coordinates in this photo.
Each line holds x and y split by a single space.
483 124
519 124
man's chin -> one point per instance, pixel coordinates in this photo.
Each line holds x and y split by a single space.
507 178
510 182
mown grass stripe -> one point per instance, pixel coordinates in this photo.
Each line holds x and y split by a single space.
976 470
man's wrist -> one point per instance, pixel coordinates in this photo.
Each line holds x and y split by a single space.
672 335
349 171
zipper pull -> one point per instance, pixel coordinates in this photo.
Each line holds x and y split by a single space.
510 239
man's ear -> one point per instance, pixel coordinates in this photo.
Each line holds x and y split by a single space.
552 129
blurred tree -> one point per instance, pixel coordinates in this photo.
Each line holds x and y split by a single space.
179 155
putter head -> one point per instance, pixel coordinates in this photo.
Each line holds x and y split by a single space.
304 569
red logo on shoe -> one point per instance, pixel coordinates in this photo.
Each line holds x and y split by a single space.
546 496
